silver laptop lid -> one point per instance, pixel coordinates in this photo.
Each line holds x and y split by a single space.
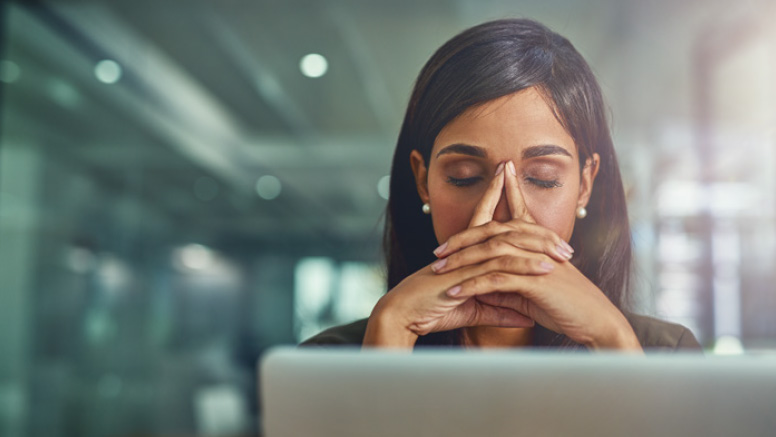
464 393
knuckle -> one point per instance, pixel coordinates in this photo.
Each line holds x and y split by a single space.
499 227
544 258
496 278
521 239
514 264
493 265
504 262
527 264
493 244
472 285
520 227
513 225
516 223
521 264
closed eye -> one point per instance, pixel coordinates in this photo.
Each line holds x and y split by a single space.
541 183
463 182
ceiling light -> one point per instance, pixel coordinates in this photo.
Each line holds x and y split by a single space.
108 71
313 65
383 187
195 256
268 187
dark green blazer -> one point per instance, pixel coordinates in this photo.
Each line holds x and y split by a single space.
653 334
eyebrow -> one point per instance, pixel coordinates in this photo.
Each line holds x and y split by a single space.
530 152
544 150
464 149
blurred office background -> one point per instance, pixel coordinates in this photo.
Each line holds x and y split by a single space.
184 184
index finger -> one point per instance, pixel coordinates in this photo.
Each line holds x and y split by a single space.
484 211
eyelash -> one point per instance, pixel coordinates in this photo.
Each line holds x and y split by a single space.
467 182
544 184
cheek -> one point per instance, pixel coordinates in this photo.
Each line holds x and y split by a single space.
556 210
451 208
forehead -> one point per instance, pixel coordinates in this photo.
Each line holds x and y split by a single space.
507 125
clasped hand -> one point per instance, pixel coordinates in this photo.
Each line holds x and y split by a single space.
510 274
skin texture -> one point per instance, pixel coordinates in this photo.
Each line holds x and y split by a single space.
503 183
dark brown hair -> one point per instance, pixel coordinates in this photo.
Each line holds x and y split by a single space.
483 63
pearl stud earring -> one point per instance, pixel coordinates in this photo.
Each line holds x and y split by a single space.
426 208
581 212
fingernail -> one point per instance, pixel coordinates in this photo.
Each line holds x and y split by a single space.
511 166
562 251
454 291
437 266
499 169
441 249
568 247
545 266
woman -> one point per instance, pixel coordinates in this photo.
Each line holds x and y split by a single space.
507 223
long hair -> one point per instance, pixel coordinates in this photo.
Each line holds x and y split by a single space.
483 63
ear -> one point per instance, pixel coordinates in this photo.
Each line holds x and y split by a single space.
589 172
421 175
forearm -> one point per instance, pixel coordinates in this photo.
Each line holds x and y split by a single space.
619 336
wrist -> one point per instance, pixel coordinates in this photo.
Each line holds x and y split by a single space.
384 329
619 336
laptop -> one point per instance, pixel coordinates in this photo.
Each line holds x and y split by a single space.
452 393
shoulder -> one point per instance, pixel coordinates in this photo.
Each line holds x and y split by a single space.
351 334
658 335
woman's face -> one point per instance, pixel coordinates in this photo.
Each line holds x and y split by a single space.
520 128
